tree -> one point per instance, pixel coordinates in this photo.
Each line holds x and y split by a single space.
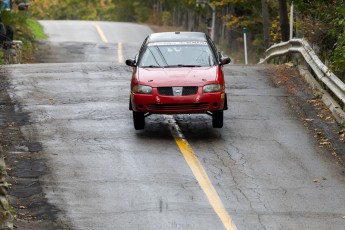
265 22
69 9
322 24
284 21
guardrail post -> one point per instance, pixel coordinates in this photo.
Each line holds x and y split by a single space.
294 59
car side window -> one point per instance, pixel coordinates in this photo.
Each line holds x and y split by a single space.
143 45
142 49
213 47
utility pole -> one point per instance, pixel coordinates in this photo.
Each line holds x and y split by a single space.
291 21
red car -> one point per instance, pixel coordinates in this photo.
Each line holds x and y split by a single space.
178 73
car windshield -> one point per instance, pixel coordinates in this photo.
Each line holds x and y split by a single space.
178 54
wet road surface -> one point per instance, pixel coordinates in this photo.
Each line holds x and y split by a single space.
263 170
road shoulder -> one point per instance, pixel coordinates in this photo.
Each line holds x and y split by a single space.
312 111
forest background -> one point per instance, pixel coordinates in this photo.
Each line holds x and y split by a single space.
320 22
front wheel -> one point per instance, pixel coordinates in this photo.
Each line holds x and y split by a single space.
217 119
139 120
225 103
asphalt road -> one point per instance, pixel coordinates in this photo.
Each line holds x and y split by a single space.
263 170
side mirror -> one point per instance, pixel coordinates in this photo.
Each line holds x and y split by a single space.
225 60
131 62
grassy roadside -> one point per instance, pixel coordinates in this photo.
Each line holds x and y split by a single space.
26 29
37 34
36 29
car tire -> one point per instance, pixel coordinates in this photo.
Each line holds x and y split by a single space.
217 119
225 103
138 120
130 104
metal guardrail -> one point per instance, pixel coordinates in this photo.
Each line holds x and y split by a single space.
321 71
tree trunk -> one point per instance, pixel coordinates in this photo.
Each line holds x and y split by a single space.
266 23
284 21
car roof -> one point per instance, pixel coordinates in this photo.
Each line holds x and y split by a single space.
177 37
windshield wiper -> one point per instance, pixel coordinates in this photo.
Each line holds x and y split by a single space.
151 66
181 65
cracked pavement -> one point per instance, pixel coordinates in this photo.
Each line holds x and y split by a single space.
67 127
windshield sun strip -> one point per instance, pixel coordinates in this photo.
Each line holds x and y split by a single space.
177 43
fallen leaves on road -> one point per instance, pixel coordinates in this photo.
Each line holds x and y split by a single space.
318 180
308 105
319 134
308 119
342 135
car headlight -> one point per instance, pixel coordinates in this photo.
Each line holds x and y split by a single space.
212 88
142 89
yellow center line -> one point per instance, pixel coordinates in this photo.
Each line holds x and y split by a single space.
105 40
100 32
201 177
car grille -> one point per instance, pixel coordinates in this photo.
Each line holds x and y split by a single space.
177 107
165 91
186 90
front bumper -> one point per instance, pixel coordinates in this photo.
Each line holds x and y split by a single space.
198 103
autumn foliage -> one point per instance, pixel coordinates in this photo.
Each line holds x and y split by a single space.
321 22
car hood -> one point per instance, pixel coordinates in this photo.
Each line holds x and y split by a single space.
184 76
